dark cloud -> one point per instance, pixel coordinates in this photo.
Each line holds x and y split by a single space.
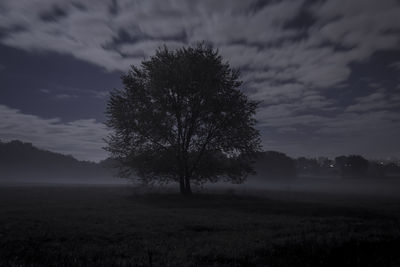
54 14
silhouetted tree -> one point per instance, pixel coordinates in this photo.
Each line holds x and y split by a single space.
273 164
392 169
340 163
181 117
352 166
23 161
376 170
307 165
321 167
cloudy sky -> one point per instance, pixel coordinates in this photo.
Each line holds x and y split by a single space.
328 72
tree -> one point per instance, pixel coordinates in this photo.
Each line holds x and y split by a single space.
273 164
181 117
352 166
392 169
376 170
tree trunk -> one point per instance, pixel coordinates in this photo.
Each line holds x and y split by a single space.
182 187
188 190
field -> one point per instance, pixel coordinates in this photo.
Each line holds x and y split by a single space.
71 225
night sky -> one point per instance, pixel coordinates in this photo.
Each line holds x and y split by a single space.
327 72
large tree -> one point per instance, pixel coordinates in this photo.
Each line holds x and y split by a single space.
181 117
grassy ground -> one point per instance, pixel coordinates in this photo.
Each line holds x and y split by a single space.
116 226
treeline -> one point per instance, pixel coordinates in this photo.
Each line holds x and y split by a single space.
272 164
21 161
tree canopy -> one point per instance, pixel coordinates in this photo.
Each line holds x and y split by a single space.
273 164
182 117
352 166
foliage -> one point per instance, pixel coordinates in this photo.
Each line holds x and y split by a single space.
316 167
392 169
273 164
23 162
352 166
181 117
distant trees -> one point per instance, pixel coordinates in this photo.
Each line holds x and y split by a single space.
273 164
181 117
315 167
20 161
352 166
391 169
376 170
307 165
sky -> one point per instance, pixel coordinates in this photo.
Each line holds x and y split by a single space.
327 72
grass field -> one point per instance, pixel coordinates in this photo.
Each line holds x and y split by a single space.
119 226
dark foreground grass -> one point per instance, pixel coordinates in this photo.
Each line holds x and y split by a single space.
114 226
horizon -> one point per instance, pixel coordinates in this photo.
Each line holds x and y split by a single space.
327 72
378 160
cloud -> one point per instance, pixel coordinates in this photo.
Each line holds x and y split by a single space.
369 133
249 34
375 101
66 92
65 96
89 33
82 139
296 56
145 48
372 134
45 91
